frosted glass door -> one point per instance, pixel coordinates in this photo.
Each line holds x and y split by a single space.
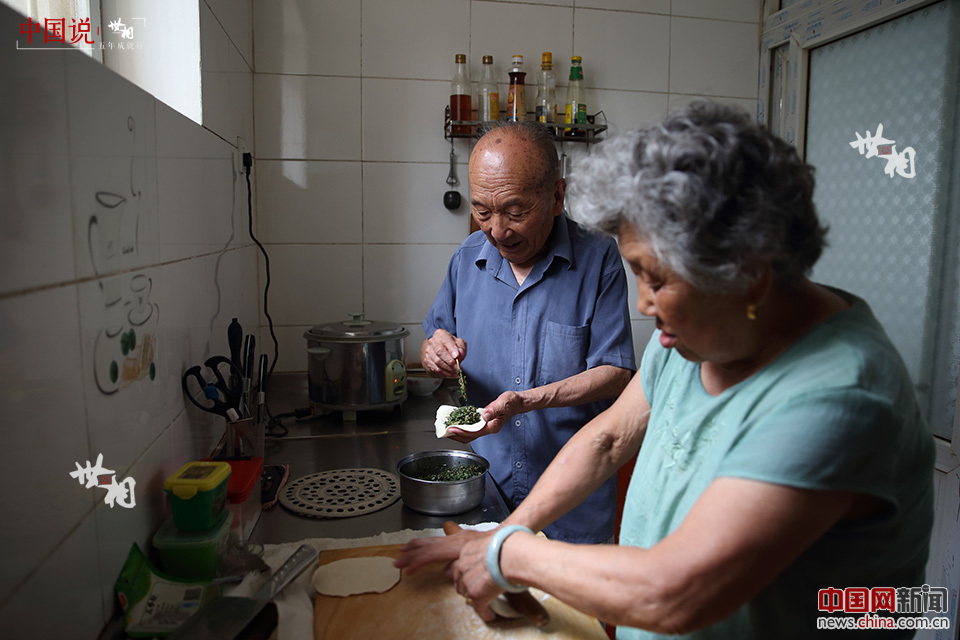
893 236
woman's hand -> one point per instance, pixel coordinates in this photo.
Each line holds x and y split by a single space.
468 552
441 352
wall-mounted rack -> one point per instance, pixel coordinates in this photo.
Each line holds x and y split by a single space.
592 129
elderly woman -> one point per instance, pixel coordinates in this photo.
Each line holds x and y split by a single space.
783 451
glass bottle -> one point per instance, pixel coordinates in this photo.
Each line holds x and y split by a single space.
461 96
488 93
576 108
516 103
547 91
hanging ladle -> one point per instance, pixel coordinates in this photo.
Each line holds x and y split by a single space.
451 199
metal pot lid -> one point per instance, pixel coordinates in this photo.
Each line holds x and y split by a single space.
357 329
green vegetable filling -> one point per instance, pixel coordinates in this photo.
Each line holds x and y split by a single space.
461 416
452 474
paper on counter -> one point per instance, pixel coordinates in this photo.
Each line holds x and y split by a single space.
295 604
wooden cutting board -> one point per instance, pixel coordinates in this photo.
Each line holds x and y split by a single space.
425 606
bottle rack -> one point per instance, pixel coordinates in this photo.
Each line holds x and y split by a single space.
591 127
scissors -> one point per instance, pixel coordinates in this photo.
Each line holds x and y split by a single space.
223 394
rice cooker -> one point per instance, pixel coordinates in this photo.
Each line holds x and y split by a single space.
356 364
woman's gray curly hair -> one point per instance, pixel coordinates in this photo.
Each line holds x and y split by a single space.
715 194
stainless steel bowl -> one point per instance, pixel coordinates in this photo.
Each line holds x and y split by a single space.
440 498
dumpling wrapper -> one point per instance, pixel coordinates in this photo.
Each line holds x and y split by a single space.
443 430
351 576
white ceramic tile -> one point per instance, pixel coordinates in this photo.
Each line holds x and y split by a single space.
504 29
310 118
714 58
642 332
309 201
739 10
412 343
180 137
228 105
642 6
36 245
115 217
312 284
41 396
623 50
678 100
188 304
197 204
403 121
403 203
108 116
320 37
120 333
414 38
235 17
401 281
628 110
119 527
217 51
234 290
62 599
293 346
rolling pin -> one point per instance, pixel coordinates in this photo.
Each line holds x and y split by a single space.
524 602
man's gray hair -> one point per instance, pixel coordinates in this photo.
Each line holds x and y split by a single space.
715 194
543 143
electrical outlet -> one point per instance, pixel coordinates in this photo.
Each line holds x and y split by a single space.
238 158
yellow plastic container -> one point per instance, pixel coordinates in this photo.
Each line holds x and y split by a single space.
198 493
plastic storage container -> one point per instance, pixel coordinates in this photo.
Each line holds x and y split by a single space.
243 495
192 554
198 493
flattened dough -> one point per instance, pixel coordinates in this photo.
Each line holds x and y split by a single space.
443 430
351 576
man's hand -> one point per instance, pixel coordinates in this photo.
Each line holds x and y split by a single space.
441 352
496 414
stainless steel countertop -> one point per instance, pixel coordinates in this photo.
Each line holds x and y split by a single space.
378 439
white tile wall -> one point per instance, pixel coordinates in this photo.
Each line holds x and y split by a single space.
313 284
395 115
640 59
307 117
599 41
36 246
422 48
319 37
61 599
739 10
42 399
82 144
403 203
699 66
643 6
503 29
235 18
401 281
309 201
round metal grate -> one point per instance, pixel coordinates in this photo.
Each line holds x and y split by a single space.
341 493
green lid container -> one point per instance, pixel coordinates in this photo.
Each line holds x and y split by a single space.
198 493
192 554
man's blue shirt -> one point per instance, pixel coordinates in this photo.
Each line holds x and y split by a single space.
569 315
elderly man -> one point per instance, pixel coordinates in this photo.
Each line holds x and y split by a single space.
534 309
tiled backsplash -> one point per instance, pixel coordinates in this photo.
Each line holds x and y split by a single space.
349 99
119 215
124 254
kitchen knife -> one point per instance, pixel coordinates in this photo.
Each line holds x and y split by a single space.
225 617
524 602
262 382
